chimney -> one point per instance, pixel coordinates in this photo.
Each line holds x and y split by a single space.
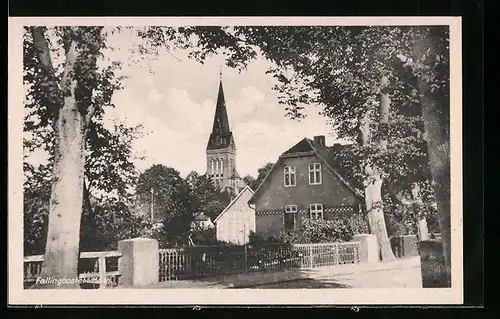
320 139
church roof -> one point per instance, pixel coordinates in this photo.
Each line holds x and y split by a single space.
221 136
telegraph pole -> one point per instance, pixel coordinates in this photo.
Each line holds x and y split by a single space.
152 204
245 242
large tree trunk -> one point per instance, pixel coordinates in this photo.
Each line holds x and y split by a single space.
375 208
373 184
439 156
62 248
65 210
436 123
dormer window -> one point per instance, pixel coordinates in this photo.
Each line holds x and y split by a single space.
289 176
314 174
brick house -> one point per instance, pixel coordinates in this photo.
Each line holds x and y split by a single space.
305 182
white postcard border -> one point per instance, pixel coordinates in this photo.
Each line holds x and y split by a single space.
428 296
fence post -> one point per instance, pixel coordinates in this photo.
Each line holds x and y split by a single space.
27 267
310 256
246 258
102 271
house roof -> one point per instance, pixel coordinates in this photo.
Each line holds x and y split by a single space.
234 201
306 147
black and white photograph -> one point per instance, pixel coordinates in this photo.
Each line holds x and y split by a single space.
200 160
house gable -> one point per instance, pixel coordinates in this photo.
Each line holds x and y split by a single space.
306 148
332 192
247 189
236 222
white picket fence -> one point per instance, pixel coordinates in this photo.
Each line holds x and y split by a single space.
185 263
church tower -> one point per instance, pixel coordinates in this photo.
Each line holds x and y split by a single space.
221 149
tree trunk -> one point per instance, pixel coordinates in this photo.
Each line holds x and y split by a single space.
62 248
436 126
439 156
71 121
375 208
373 185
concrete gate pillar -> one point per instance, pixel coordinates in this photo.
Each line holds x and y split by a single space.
139 264
368 250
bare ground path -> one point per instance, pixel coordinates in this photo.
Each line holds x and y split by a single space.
402 273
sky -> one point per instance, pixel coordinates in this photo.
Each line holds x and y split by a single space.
174 97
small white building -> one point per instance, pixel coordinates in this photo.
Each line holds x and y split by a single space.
237 220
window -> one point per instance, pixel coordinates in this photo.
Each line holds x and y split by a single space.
290 214
316 210
314 174
289 176
221 167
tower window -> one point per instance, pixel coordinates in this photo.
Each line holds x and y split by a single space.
289 176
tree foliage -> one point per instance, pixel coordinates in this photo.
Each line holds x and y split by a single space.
337 67
254 183
177 201
340 69
107 215
348 70
205 196
109 170
171 206
36 208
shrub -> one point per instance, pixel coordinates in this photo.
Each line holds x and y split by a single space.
322 231
204 236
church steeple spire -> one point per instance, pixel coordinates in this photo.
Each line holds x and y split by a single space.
221 132
221 149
